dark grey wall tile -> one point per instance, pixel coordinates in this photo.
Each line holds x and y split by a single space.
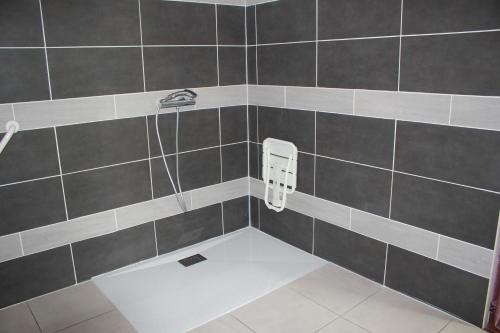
233 123
250 20
289 226
106 188
455 211
91 22
287 64
34 275
234 161
161 182
20 23
232 65
91 145
197 129
286 21
460 155
29 154
252 65
199 168
363 255
231 25
235 214
186 229
305 173
429 16
254 160
453 290
359 139
360 64
166 127
357 186
177 23
102 254
95 71
358 18
180 67
23 75
252 123
291 125
456 64
30 205
254 212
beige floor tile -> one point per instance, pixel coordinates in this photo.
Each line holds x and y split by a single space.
391 312
111 322
69 306
457 327
284 310
17 319
341 325
224 324
335 288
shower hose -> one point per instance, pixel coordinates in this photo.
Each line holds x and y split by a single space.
178 193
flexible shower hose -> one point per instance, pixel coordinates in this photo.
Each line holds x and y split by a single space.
178 193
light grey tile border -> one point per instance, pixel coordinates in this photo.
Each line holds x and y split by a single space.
58 234
213 194
473 111
402 235
430 108
266 95
462 255
469 257
212 97
148 211
10 247
138 104
6 114
32 115
320 99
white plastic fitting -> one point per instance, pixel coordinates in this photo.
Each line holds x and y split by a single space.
11 127
279 170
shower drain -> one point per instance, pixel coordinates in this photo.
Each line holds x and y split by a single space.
194 259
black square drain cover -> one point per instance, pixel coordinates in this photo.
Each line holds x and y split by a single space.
189 261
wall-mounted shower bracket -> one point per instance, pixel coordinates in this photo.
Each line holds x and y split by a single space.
279 171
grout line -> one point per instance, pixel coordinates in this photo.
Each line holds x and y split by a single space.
393 162
114 107
313 235
222 217
33 316
116 220
149 159
217 44
248 122
451 105
385 263
21 242
45 48
316 46
156 238
437 248
315 151
350 218
220 147
256 47
400 38
142 46
61 174
73 261
354 101
13 113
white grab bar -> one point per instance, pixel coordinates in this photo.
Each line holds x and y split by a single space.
11 127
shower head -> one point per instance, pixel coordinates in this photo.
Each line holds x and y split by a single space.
179 98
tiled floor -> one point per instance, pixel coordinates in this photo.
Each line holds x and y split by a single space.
328 300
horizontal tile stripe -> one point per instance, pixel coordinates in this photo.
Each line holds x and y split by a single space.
389 231
90 226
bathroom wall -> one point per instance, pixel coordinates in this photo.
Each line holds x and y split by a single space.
394 108
82 186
